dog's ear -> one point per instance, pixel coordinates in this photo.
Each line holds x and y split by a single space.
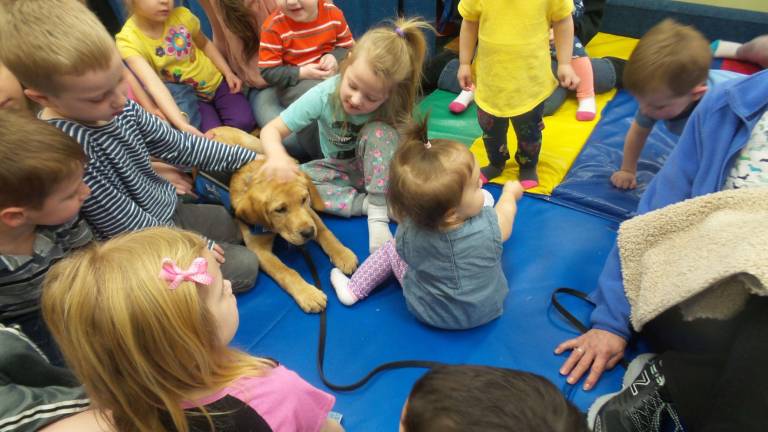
314 196
251 210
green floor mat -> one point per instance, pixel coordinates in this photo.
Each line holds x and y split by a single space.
444 124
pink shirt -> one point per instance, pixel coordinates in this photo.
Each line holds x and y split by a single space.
281 397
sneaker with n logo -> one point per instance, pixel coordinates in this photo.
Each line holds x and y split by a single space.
639 406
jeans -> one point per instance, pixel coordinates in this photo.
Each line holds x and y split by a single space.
186 100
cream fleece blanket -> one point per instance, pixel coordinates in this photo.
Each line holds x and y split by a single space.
705 254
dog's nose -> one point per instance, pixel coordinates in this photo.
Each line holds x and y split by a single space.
308 233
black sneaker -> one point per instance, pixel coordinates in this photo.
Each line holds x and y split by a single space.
639 406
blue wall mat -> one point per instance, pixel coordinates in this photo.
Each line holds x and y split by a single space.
551 246
588 187
426 9
363 14
634 17
194 6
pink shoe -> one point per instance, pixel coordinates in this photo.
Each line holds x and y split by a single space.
529 184
483 179
587 109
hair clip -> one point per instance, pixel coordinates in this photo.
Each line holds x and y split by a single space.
197 272
427 145
400 32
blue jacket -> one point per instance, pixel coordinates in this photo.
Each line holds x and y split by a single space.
716 131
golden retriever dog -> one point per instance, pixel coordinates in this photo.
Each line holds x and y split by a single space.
234 136
286 209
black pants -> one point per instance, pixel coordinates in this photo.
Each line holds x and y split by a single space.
716 371
527 129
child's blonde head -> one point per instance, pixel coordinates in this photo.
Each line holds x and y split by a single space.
669 57
395 53
36 158
46 39
427 178
139 347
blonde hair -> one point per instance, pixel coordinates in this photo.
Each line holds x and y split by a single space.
52 38
36 158
427 180
669 56
395 54
139 347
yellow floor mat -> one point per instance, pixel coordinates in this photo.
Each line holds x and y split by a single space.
564 136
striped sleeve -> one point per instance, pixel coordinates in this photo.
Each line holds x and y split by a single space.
271 47
181 148
343 33
27 408
111 212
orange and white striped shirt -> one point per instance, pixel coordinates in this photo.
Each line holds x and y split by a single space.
287 42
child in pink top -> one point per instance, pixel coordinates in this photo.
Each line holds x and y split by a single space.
145 319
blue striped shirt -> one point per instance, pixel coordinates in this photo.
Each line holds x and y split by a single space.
126 193
21 276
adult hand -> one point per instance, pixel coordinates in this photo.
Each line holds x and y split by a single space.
234 83
567 76
328 63
465 77
596 351
624 179
180 180
281 168
313 71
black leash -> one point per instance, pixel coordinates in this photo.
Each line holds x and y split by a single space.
570 317
402 364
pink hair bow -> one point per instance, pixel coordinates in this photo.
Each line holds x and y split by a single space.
197 272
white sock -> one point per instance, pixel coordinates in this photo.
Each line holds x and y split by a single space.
461 102
587 105
488 200
340 283
725 49
365 204
465 97
378 226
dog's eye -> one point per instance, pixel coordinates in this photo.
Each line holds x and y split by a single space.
280 209
304 201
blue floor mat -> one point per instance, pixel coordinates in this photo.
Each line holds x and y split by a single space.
551 246
588 188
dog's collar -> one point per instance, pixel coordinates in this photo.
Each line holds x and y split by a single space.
259 229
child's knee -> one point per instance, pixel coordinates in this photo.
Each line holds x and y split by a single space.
241 267
379 131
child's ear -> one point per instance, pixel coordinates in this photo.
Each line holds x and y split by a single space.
38 97
699 91
13 217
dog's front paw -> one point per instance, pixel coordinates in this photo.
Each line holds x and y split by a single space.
345 260
311 299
